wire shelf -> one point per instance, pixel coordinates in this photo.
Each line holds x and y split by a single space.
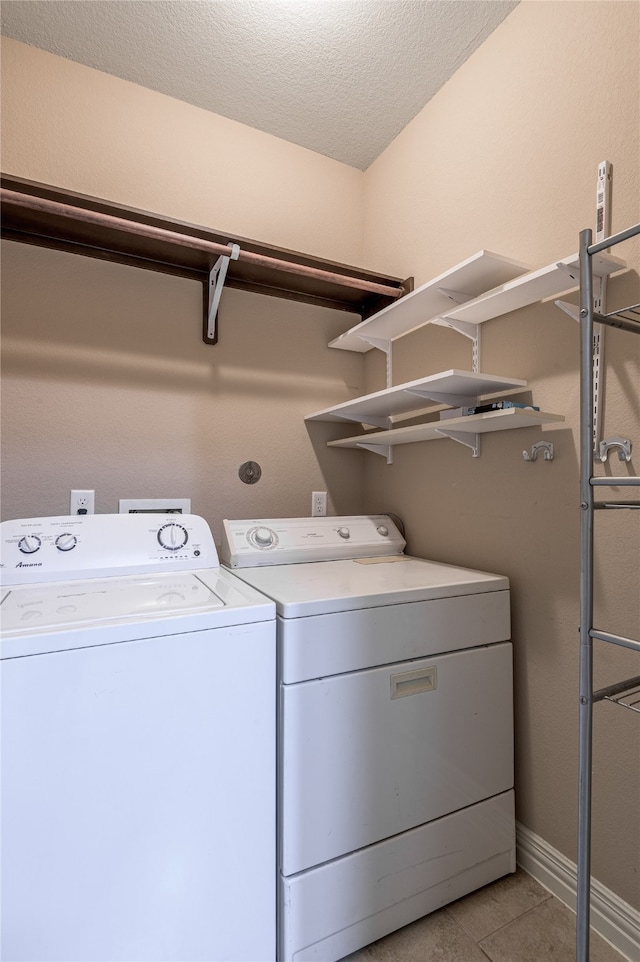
628 699
631 313
599 505
624 693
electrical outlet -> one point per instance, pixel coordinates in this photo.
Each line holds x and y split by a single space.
82 502
318 504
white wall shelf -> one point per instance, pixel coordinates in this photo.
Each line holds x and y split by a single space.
463 295
483 287
530 288
463 429
474 276
455 388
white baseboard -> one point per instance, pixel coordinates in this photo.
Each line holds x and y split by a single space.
615 920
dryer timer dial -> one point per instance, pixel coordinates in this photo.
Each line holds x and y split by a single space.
262 537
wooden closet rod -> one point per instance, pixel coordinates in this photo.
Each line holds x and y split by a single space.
46 206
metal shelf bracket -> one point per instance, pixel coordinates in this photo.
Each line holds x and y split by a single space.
371 419
472 331
382 343
572 272
456 296
545 446
463 437
603 228
622 444
217 277
452 400
386 450
385 345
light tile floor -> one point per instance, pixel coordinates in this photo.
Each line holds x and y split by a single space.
513 920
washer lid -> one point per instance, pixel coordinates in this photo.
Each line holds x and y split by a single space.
79 614
323 587
83 602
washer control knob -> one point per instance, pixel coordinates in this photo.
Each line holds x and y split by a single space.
383 530
344 532
30 615
29 544
172 536
66 541
263 537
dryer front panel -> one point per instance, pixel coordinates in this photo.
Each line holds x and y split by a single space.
347 641
369 754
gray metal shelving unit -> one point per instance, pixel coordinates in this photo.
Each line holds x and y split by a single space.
626 693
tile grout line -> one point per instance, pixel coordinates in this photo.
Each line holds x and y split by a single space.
463 931
516 918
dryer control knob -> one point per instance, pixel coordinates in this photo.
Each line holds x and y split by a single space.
344 532
29 544
66 541
172 536
383 530
263 537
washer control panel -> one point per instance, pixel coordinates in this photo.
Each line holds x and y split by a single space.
100 545
278 541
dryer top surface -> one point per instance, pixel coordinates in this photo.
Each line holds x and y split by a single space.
324 587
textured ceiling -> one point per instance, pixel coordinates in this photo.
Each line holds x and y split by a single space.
341 77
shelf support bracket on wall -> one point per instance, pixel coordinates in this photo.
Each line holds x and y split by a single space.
571 309
451 400
457 296
572 272
370 419
385 345
217 277
472 331
463 437
603 229
386 450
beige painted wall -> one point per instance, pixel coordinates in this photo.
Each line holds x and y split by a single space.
107 385
106 381
505 158
68 125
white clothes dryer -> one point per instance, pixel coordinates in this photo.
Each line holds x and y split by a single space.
138 745
395 745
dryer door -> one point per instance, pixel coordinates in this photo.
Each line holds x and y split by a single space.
366 755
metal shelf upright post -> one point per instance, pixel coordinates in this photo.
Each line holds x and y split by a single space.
626 320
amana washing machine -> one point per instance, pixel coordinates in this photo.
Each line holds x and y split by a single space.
138 745
395 745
